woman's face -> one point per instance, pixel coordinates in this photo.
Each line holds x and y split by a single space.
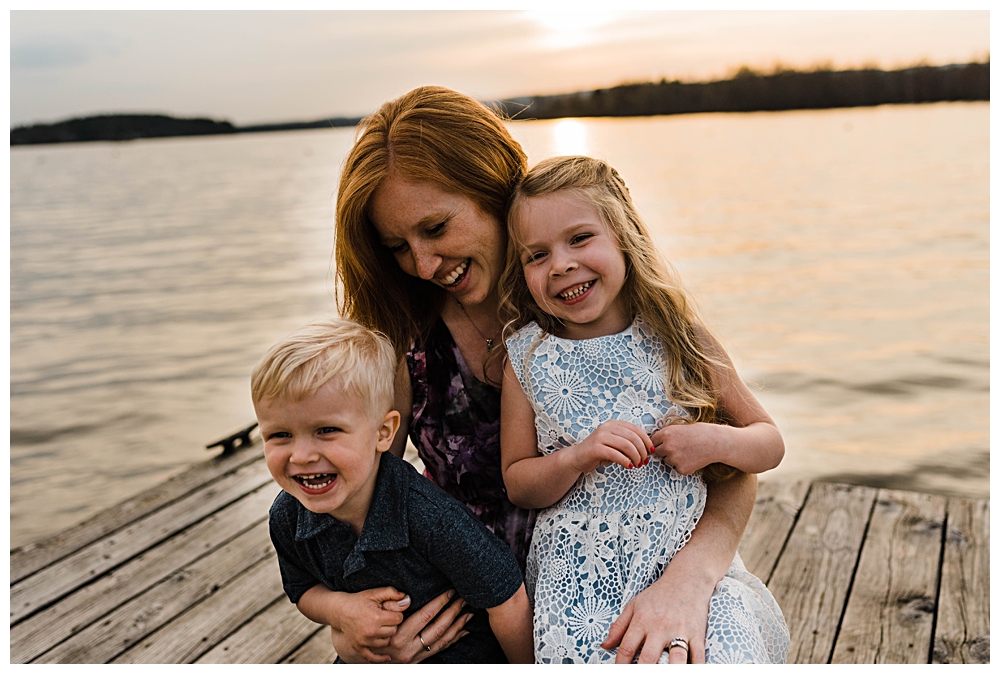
439 236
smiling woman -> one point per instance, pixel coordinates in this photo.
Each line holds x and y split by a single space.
427 229
408 276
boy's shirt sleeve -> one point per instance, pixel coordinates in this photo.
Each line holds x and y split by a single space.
482 569
296 578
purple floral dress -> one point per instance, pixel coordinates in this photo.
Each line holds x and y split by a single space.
456 430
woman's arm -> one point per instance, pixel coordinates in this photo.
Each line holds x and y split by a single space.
402 403
676 605
511 623
536 481
749 441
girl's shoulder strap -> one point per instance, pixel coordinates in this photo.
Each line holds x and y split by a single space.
519 347
644 333
641 327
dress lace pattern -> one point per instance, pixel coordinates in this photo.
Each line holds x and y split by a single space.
614 532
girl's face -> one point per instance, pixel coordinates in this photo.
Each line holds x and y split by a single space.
439 236
572 264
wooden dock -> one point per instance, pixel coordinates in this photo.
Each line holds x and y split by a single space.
185 573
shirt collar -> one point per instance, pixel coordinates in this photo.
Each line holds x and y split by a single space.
386 526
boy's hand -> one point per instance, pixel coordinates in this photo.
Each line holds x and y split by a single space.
439 629
366 622
690 447
614 441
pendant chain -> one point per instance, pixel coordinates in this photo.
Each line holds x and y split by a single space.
489 340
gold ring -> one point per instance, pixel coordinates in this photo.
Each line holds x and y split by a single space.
426 647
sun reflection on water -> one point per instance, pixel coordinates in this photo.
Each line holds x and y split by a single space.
569 136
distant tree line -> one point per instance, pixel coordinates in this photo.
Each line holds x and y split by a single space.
750 91
131 127
747 91
116 127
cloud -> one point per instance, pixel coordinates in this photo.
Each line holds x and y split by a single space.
49 52
53 50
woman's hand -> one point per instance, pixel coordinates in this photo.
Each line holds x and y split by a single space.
612 442
671 607
677 604
438 628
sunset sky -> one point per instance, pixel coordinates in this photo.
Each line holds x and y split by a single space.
251 67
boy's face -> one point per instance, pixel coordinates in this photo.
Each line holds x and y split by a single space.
324 450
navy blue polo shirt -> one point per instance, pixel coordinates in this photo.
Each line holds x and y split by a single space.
416 538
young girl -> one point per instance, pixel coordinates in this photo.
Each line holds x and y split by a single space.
624 401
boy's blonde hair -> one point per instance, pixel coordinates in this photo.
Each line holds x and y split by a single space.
652 289
362 361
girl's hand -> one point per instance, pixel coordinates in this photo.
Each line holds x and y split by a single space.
438 628
691 447
613 441
671 607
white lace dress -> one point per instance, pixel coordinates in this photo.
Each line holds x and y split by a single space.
612 535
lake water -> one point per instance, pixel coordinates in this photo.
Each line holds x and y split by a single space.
841 255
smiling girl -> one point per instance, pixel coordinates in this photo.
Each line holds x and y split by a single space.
616 402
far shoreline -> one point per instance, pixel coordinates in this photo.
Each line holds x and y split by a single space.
747 91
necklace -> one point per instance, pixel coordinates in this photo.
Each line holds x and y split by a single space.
488 340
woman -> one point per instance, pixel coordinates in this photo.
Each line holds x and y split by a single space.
419 250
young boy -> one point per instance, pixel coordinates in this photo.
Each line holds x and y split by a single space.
353 517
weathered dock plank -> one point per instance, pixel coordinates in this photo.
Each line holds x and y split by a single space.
106 638
186 573
317 650
202 628
963 624
270 636
45 629
55 581
890 613
28 559
812 578
774 513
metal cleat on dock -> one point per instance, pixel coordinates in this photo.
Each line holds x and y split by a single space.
237 440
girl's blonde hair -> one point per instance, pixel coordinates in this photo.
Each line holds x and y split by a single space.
430 134
361 360
652 289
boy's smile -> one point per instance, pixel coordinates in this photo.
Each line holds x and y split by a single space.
319 483
324 450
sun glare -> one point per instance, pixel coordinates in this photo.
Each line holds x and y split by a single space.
569 28
569 136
